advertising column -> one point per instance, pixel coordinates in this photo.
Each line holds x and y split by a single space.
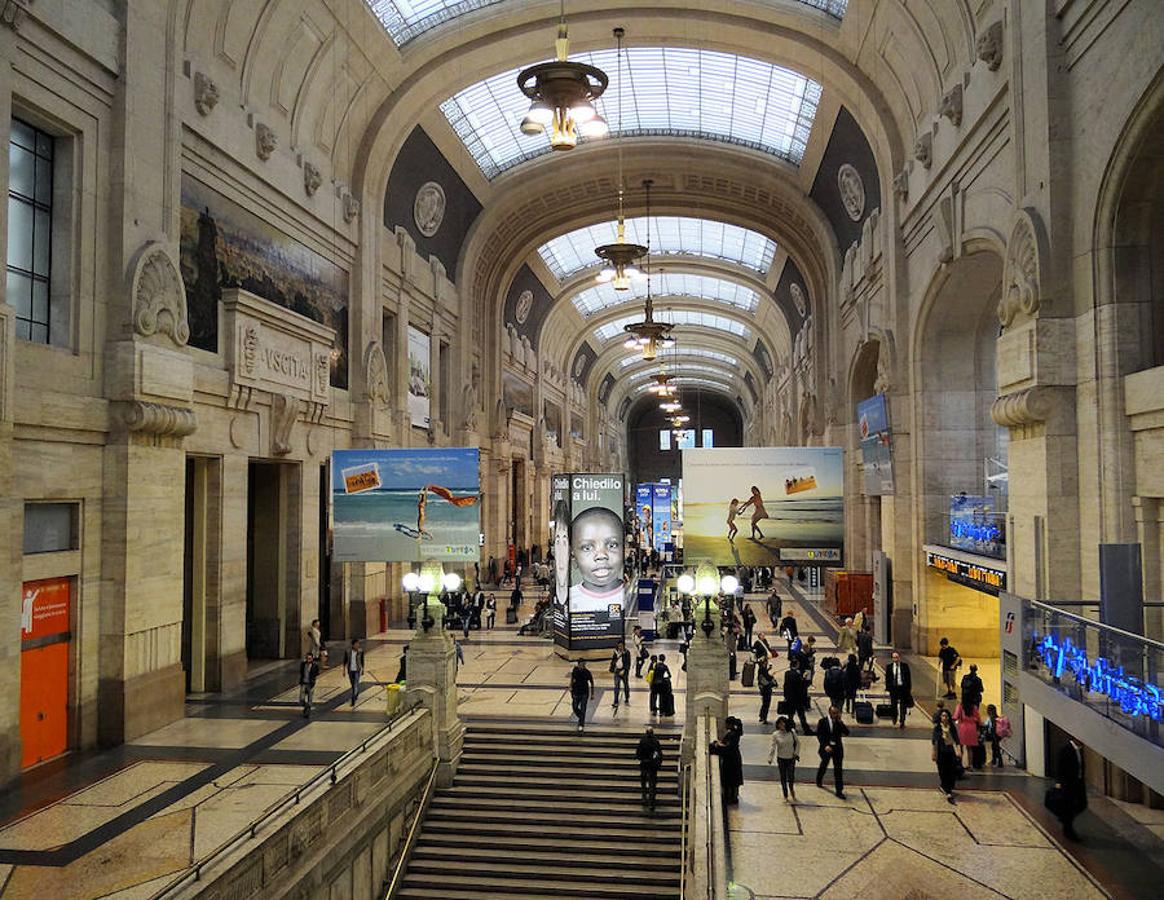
560 547
662 513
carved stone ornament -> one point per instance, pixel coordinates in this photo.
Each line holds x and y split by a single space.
351 207
579 365
524 305
1027 407
284 411
471 399
1021 271
312 179
376 367
951 106
159 297
428 210
798 299
852 190
322 373
989 46
265 141
923 149
901 184
157 418
250 346
205 93
12 12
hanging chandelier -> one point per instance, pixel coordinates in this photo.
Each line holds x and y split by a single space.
620 256
562 95
662 386
648 335
677 422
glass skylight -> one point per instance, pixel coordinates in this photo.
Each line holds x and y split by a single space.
672 368
688 382
670 235
677 317
674 91
671 358
668 284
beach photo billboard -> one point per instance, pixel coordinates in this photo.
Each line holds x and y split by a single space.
406 505
741 506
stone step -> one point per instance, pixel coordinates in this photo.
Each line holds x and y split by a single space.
522 871
617 832
630 807
580 786
549 817
549 859
550 843
603 797
484 887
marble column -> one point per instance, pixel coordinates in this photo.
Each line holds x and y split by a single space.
11 530
432 682
708 686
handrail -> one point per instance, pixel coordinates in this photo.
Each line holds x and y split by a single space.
684 828
291 798
406 848
1091 623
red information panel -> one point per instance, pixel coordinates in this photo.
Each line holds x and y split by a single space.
44 610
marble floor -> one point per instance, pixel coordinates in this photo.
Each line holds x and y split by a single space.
125 823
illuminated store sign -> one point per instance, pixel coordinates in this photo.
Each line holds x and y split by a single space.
1135 698
975 575
821 556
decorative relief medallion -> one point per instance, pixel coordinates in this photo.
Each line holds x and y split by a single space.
852 190
159 297
351 207
265 141
205 93
989 46
376 367
312 178
798 299
1021 272
428 210
579 365
524 305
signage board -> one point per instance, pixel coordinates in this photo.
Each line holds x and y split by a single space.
979 575
44 608
876 445
816 556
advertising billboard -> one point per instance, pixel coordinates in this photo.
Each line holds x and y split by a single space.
661 504
588 512
876 446
743 505
645 510
405 505
419 377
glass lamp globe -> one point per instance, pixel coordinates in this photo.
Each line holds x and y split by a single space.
451 581
686 584
728 584
411 581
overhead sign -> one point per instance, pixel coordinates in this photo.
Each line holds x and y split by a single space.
817 556
982 577
1100 675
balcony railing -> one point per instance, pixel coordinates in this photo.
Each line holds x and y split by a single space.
1117 674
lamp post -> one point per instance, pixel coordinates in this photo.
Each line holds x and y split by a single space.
428 583
707 659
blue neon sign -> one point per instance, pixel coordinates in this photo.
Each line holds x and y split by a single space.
1134 697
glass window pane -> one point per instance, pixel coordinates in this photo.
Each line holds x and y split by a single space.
44 144
23 329
40 302
19 234
38 334
42 243
20 170
50 527
44 182
23 134
20 293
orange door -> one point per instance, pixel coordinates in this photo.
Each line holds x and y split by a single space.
44 702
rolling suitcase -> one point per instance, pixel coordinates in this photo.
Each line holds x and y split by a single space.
863 712
510 616
748 678
885 710
978 756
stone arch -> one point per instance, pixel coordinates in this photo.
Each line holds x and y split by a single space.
863 512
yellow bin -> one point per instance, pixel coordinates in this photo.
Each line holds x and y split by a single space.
394 693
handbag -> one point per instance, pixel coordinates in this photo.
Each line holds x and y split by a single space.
1056 801
783 708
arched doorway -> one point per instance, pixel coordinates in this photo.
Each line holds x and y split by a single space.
961 464
863 516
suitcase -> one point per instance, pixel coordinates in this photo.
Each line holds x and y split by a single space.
885 710
866 679
510 616
978 756
784 708
863 712
748 678
666 703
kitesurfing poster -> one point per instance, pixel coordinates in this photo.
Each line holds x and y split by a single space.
406 505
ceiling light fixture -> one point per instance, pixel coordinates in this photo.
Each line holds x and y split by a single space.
562 95
648 335
620 256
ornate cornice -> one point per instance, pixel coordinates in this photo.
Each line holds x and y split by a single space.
1027 407
157 418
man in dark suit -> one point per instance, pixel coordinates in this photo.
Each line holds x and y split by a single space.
354 666
1069 772
650 757
796 695
830 734
899 683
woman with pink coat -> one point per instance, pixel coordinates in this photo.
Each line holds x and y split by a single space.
968 722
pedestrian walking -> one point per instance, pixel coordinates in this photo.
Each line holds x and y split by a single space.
796 694
490 611
830 735
834 682
354 666
993 728
731 763
640 650
847 639
775 609
945 752
785 750
749 618
581 691
402 672
620 669
899 683
308 673
652 685
663 678
315 640
865 649
650 756
766 682
788 630
972 688
466 619
852 682
950 661
1071 786
968 722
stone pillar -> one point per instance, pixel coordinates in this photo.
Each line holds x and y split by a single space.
708 686
432 681
11 531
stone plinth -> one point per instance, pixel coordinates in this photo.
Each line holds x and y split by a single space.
707 678
432 681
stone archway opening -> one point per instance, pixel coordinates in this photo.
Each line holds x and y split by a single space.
863 523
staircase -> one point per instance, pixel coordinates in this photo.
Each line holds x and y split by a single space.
545 813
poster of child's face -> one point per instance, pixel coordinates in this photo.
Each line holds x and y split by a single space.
561 550
596 545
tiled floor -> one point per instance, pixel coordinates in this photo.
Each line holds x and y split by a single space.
124 824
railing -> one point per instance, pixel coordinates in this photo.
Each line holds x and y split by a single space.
687 859
406 847
1115 673
330 775
707 836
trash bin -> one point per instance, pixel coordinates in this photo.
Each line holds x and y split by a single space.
383 614
395 694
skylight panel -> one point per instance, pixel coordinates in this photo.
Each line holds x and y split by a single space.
676 317
676 91
600 297
672 368
675 358
670 235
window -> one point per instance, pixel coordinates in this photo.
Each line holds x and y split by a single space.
445 362
600 297
708 438
50 527
30 219
388 341
664 438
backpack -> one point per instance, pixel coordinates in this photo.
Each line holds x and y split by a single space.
834 680
1002 727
